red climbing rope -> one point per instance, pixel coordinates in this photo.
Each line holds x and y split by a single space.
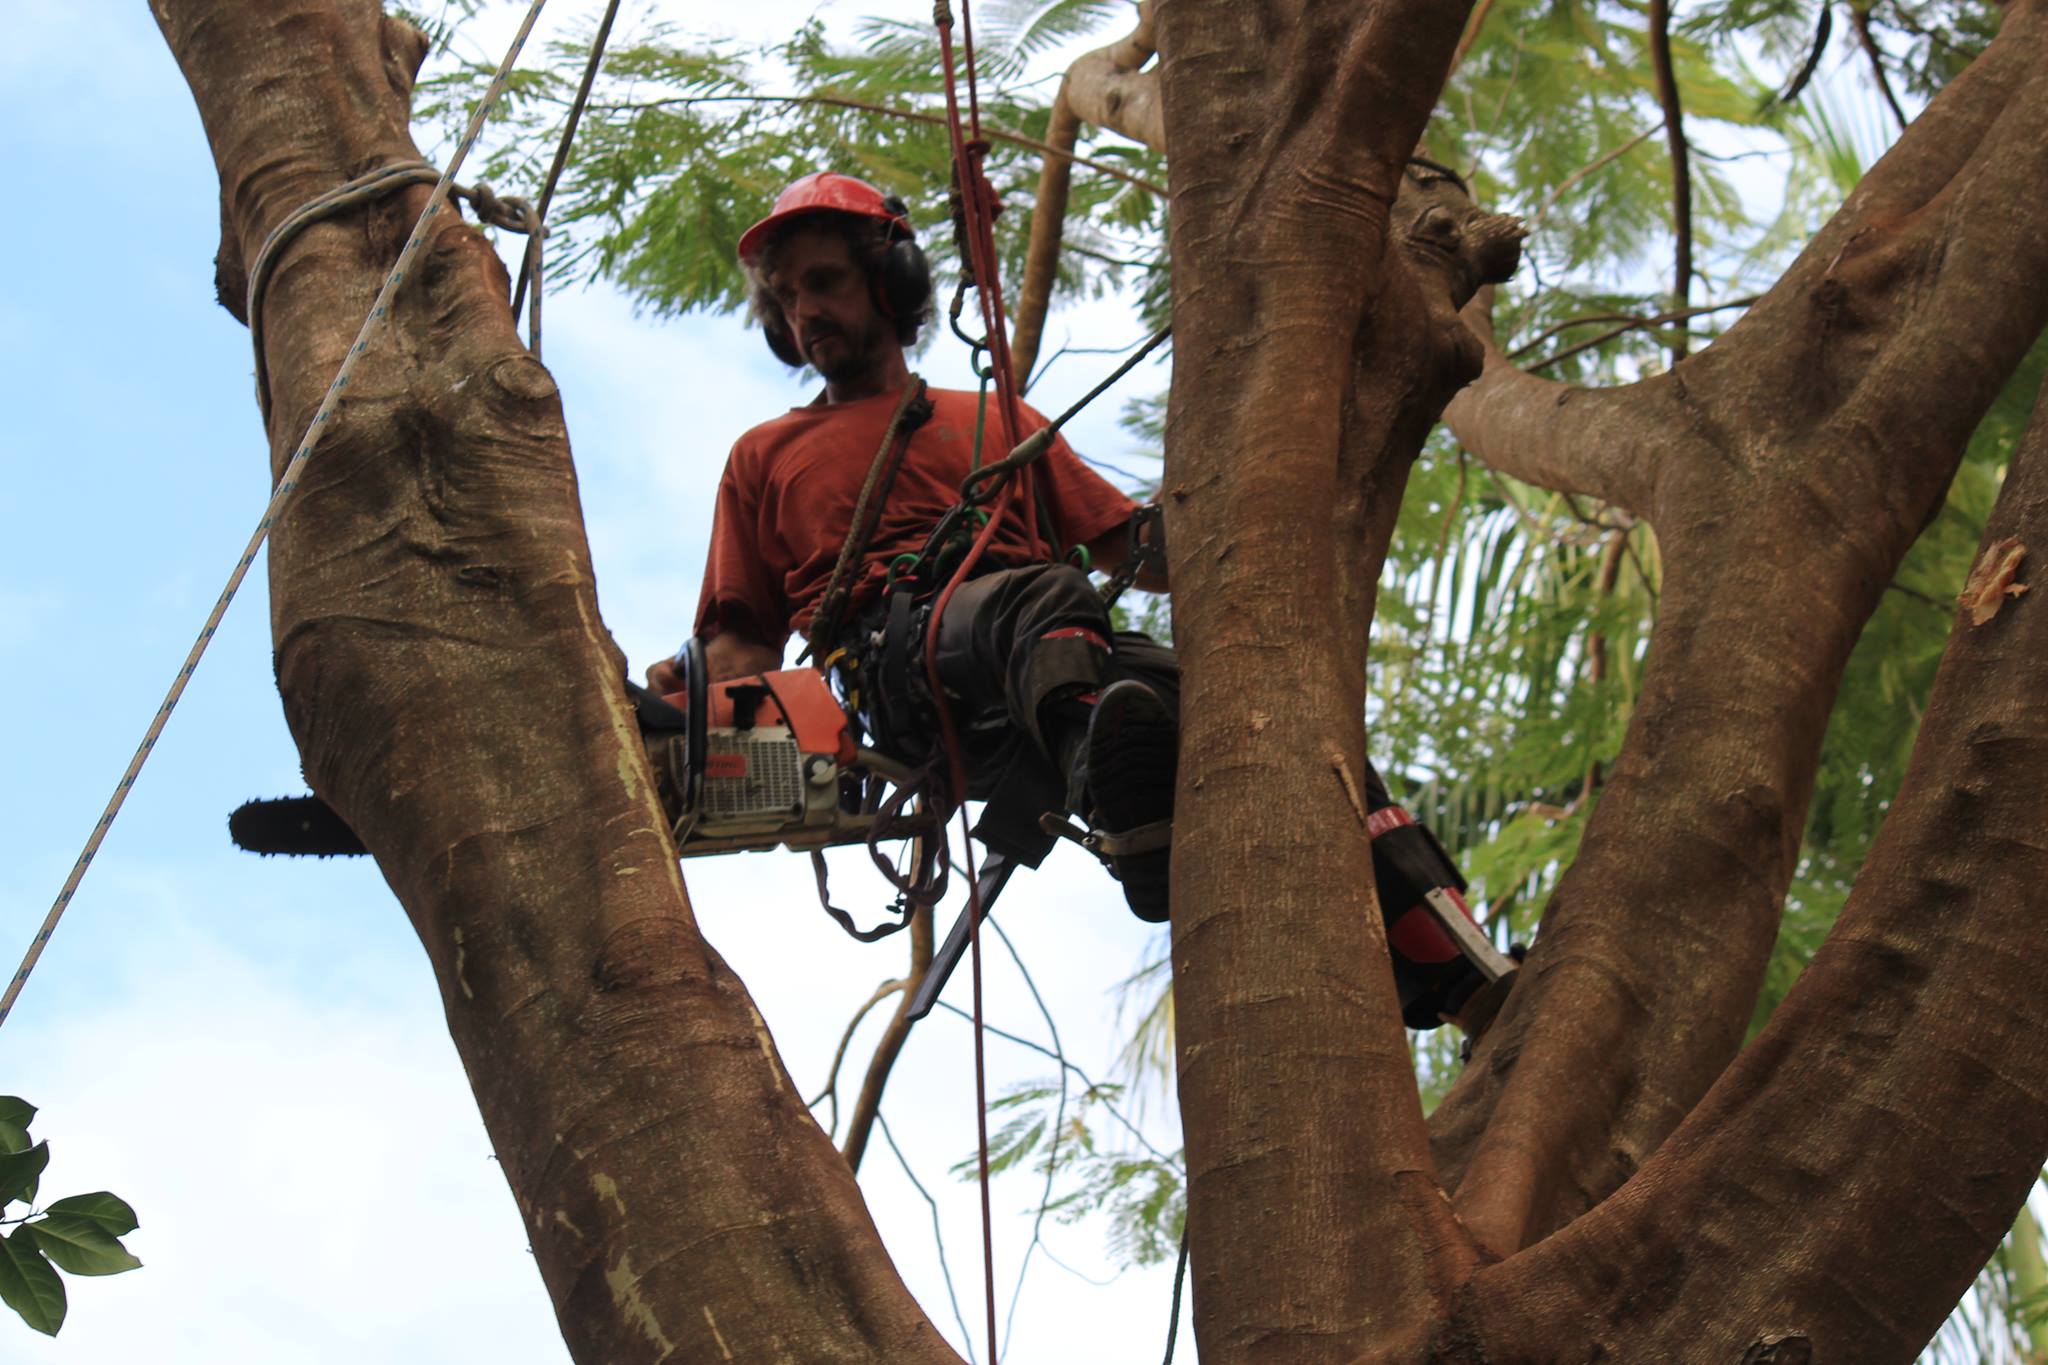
977 219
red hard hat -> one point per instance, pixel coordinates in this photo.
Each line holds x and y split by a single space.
819 192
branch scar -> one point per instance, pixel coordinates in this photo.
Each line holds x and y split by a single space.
1990 581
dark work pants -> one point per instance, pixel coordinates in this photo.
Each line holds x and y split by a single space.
1016 647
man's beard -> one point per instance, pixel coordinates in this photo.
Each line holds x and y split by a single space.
855 356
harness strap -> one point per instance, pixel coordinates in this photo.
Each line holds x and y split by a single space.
845 921
1148 838
913 410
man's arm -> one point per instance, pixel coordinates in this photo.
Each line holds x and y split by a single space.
727 655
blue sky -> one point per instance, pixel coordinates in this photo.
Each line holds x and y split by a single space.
251 1051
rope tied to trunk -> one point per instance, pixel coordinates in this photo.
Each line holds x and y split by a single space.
510 212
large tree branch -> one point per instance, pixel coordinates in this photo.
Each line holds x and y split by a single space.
1316 1226
1843 1181
1784 499
456 698
1554 435
1042 255
1768 360
868 1104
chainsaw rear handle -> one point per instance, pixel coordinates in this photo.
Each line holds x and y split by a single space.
690 662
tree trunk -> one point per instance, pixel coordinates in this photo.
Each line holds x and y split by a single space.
1786 468
1316 1226
456 698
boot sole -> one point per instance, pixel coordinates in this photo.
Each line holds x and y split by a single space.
1133 746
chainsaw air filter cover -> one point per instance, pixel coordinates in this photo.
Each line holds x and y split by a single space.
774 748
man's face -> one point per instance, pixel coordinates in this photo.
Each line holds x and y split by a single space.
826 301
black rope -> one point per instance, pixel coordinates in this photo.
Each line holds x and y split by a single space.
1180 1275
846 921
1038 442
529 268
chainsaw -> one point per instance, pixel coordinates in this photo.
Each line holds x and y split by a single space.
763 761
770 760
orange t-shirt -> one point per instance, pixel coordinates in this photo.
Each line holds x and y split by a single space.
787 498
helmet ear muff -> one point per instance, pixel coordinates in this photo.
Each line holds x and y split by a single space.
905 284
775 329
784 345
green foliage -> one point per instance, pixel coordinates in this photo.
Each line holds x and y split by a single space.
80 1233
688 140
1141 1193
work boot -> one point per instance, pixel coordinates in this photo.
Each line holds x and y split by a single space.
1133 744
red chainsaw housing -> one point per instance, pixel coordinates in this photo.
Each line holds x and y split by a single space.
796 697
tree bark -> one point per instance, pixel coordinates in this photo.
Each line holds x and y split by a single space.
456 698
1786 469
1316 1225
1838 1187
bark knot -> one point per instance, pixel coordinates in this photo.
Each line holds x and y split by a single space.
1779 1348
523 377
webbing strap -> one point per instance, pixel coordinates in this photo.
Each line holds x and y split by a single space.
280 495
913 410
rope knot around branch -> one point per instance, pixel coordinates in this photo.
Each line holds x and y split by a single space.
512 212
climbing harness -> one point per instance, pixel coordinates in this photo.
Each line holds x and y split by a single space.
913 410
384 180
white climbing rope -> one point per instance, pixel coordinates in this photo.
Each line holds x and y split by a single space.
286 483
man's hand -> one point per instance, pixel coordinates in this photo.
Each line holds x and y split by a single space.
726 656
663 677
1109 552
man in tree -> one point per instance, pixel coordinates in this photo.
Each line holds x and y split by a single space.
1060 710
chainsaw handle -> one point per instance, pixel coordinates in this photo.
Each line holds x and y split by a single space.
691 663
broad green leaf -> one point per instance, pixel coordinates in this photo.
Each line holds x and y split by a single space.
80 1246
111 1213
17 1111
13 1137
20 1172
29 1286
